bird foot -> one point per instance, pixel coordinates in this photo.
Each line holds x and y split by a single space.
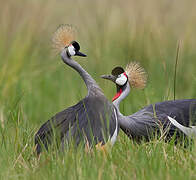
102 148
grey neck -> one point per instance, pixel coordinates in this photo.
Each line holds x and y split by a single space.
89 81
122 120
126 90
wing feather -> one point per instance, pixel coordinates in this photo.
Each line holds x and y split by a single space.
92 120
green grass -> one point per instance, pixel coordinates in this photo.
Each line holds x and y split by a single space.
35 84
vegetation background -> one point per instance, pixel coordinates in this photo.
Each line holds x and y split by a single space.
35 84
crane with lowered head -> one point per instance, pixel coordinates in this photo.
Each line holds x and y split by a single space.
93 120
151 118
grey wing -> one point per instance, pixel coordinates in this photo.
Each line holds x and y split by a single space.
144 125
153 117
92 120
96 121
59 123
184 111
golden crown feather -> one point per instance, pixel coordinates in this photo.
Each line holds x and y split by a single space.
63 36
137 75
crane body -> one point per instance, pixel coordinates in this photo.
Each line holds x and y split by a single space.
152 118
93 120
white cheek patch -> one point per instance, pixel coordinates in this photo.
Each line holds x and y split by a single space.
71 50
121 80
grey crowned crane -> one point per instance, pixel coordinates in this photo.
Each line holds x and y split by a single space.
151 118
93 120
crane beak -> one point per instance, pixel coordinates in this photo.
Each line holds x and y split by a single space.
78 53
109 77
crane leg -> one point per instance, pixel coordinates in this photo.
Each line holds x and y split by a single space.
102 148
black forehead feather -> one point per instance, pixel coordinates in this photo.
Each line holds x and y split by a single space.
76 45
117 70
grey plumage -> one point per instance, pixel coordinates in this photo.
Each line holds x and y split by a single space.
152 118
91 120
155 116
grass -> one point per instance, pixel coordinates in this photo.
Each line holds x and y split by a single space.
35 84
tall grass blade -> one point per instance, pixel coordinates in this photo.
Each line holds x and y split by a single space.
175 69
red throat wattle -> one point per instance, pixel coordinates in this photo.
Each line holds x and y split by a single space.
117 95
